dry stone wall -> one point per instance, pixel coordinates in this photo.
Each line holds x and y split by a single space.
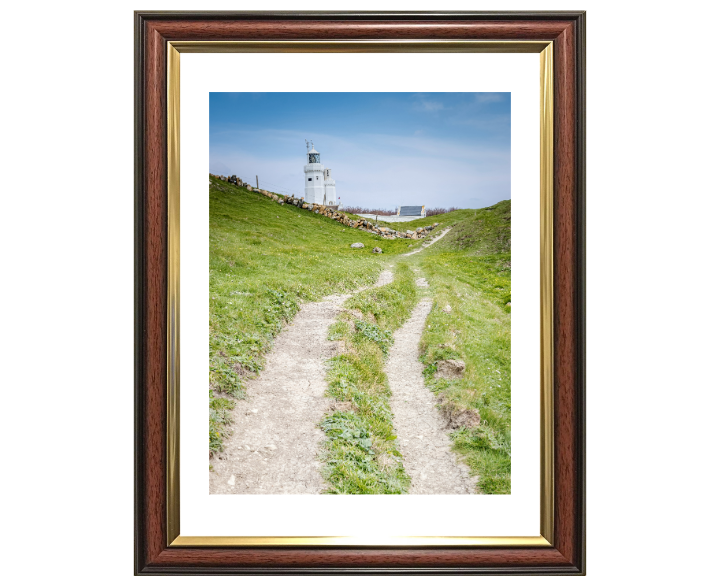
361 224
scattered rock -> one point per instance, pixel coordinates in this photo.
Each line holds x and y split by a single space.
357 245
508 304
377 250
447 309
232 480
421 282
450 369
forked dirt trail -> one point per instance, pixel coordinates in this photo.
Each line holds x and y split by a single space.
275 441
428 243
422 438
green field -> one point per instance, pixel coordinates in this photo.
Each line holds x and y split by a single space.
469 271
266 259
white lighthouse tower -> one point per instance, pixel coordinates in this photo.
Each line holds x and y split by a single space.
314 177
319 185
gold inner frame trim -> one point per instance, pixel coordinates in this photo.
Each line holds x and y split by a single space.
425 541
545 51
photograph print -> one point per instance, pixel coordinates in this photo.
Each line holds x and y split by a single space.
360 293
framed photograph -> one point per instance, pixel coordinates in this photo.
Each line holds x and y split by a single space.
326 208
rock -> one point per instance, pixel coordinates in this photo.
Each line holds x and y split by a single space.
232 480
377 250
281 202
456 416
304 206
508 304
418 230
408 232
357 245
274 197
447 309
450 369
436 224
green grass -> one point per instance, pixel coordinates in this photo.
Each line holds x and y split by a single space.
265 260
469 270
361 456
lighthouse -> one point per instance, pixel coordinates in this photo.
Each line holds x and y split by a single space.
319 186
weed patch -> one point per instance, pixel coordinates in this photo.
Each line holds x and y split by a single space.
360 454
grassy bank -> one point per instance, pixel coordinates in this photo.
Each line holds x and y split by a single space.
469 275
265 260
361 455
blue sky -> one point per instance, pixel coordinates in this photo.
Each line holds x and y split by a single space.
384 149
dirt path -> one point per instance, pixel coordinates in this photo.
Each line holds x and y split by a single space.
275 440
422 438
428 243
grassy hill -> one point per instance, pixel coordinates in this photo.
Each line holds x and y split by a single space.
265 259
469 276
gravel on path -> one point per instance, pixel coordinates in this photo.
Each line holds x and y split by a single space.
275 439
421 434
428 243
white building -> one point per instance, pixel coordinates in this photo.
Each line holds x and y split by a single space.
319 186
330 197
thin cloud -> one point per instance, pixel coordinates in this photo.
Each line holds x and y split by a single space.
489 97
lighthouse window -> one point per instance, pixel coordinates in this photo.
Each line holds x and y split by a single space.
317 177
309 179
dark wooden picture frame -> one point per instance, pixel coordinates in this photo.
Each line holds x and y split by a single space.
153 31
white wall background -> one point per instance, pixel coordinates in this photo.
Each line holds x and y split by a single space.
66 306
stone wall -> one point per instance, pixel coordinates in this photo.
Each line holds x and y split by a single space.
231 180
328 212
